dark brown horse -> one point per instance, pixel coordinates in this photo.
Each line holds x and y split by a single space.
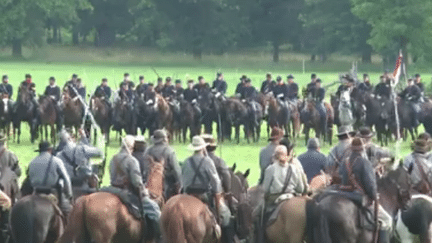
310 117
282 115
102 114
36 219
188 120
48 115
102 218
236 114
73 111
25 110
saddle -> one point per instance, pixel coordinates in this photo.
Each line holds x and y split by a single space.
130 200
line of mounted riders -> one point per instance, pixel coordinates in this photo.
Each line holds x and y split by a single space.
177 109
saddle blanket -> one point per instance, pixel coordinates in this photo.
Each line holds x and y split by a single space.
130 200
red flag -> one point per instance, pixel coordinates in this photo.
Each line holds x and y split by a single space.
397 70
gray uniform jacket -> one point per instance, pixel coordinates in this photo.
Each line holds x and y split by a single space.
38 166
172 167
223 171
266 158
125 171
274 179
338 154
208 171
74 155
425 160
376 153
9 159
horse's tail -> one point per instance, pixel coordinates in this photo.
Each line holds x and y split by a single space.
175 231
22 217
316 224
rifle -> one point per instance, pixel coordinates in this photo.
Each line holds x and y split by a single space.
155 72
331 84
87 110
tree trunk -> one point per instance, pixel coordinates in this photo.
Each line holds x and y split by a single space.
59 36
54 37
313 58
16 47
106 36
276 51
75 35
367 55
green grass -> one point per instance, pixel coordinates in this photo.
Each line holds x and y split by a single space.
112 67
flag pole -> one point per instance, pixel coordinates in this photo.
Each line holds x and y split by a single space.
396 75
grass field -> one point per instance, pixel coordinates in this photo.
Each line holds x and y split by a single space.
245 155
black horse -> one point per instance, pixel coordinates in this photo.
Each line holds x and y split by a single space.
25 110
124 117
380 113
236 114
336 218
211 109
189 119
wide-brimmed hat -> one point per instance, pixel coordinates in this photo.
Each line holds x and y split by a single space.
209 139
290 76
421 146
198 143
129 141
276 133
357 144
159 136
345 130
44 146
365 132
243 77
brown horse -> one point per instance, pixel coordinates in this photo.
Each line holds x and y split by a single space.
102 114
186 219
281 115
48 115
36 218
103 218
73 111
164 115
310 117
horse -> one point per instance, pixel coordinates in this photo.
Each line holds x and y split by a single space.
164 115
379 113
102 114
335 218
281 115
124 117
35 218
254 120
101 217
25 110
5 114
211 107
188 120
73 111
48 115
236 114
311 118
406 114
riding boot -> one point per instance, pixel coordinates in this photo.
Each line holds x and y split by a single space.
228 232
384 236
260 233
4 226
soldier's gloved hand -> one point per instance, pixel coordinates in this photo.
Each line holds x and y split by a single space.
149 102
194 101
217 94
280 95
52 97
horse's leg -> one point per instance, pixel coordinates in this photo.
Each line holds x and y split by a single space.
237 133
184 131
46 132
19 132
306 132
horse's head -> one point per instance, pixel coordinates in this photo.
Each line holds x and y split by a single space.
400 180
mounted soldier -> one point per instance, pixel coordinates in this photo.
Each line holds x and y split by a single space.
341 151
318 97
280 90
141 87
420 161
191 95
47 175
240 85
310 89
348 84
219 85
160 150
201 86
168 89
221 167
268 84
6 88
375 154
366 86
127 81
159 85
201 180
412 94
28 85
313 161
417 81
126 94
293 89
103 91
358 175
248 96
283 180
178 90
383 88
76 158
72 82
266 154
53 91
125 174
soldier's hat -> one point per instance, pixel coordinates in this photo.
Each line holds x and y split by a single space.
178 81
200 77
74 75
345 130
218 74
4 77
168 79
313 75
104 80
190 81
243 77
420 146
51 78
357 144
44 146
209 139
159 136
141 77
318 80
268 75
198 143
365 75
278 78
365 132
159 79
126 74
417 75
28 76
290 76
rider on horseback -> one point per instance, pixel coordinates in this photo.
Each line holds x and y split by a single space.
178 90
219 85
190 94
141 87
47 175
168 89
366 86
374 153
266 154
249 94
103 91
419 160
53 91
125 173
412 94
318 96
292 93
311 86
341 151
6 90
240 85
358 175
30 87
268 84
201 180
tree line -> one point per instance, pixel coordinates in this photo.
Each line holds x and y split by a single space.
317 27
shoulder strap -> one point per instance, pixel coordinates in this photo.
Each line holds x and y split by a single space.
196 169
422 172
47 171
351 177
287 179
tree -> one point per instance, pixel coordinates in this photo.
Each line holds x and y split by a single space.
406 23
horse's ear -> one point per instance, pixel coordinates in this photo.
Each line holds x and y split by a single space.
233 167
246 174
